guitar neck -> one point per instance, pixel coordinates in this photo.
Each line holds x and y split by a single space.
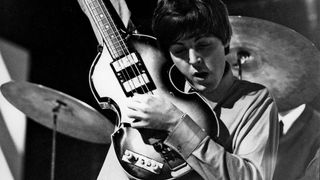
110 27
127 63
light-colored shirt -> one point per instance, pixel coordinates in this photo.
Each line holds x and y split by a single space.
250 115
251 118
289 118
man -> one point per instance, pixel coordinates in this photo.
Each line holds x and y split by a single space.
298 144
195 35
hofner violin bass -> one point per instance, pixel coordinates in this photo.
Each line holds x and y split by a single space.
130 64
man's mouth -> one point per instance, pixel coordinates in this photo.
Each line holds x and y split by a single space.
201 75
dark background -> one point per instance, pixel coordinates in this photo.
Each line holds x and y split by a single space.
62 47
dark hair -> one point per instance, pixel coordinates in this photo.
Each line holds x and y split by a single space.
174 19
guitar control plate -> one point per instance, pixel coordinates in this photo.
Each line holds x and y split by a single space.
142 162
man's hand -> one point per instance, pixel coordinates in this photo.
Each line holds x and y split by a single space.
153 112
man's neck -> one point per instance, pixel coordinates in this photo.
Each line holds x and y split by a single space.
221 91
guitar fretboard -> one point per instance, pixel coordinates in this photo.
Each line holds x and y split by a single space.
108 29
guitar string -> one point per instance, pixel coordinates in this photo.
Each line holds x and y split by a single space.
115 52
93 8
129 57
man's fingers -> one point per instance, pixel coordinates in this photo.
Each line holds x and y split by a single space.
134 105
136 114
139 124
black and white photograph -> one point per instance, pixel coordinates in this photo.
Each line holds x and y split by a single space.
160 90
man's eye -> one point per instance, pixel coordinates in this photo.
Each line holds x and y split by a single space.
203 45
178 50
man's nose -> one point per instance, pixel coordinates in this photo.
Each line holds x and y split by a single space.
194 57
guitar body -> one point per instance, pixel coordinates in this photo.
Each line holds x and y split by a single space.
130 64
128 141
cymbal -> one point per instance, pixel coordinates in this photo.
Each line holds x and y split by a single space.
276 56
315 103
73 117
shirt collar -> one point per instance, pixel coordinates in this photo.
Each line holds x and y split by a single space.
289 118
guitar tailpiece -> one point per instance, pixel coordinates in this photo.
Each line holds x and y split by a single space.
142 161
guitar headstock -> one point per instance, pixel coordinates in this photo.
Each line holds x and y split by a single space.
82 5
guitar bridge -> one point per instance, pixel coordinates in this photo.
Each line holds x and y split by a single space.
142 161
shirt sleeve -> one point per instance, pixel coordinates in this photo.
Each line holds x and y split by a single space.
255 145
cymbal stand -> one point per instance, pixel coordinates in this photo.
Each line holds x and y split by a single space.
239 62
55 111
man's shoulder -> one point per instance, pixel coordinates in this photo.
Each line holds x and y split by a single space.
249 85
247 88
244 93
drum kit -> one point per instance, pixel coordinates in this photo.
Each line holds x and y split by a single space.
260 51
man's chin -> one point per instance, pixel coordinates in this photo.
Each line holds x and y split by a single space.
203 88
200 88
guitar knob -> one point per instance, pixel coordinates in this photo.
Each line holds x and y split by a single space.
129 156
148 163
156 168
142 162
153 164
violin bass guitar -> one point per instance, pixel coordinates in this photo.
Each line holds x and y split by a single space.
130 64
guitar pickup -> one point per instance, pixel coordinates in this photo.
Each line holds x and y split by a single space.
142 162
132 75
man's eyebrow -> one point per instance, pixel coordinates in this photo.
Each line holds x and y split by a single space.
177 43
199 37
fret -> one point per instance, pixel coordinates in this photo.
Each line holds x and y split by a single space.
116 53
100 23
113 39
94 4
104 21
117 49
105 28
111 33
101 15
97 10
116 43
